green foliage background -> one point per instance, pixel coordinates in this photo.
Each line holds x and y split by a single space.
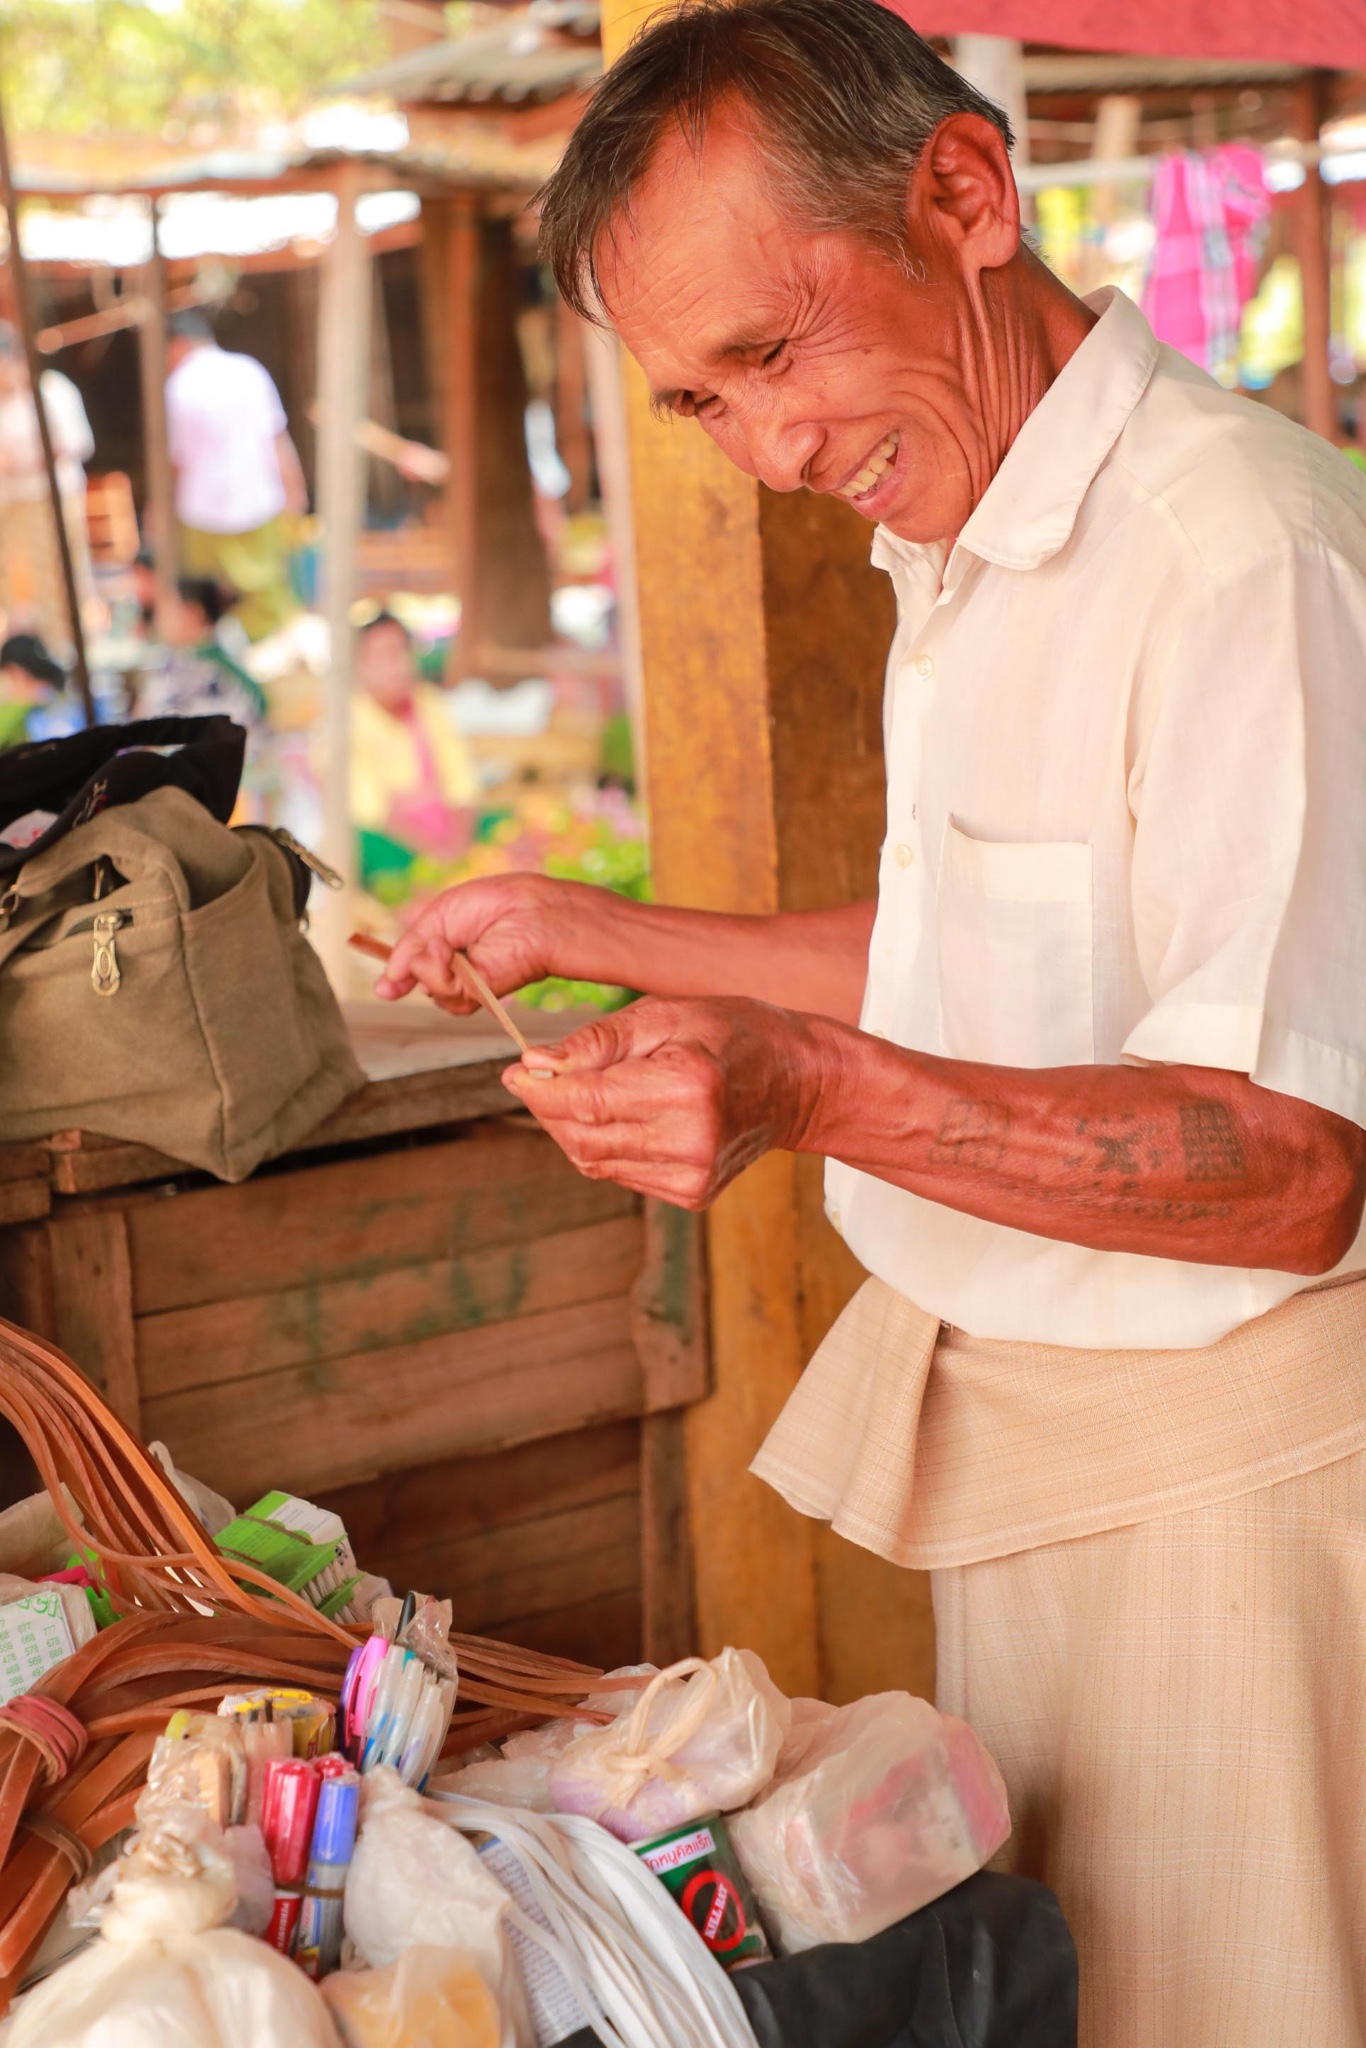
163 66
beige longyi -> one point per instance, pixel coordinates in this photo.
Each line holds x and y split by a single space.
1176 1708
935 1448
1150 1603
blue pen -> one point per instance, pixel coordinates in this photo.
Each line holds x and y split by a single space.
407 1693
381 1707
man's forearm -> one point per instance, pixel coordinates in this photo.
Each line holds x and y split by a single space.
815 961
1177 1162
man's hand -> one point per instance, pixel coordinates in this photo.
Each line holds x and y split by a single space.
675 1098
515 928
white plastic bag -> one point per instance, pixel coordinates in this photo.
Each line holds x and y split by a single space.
888 1805
164 1973
519 1773
414 1880
702 1738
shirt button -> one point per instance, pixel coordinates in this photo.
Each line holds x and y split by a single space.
903 856
924 667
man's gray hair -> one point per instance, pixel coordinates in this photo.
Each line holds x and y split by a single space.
842 92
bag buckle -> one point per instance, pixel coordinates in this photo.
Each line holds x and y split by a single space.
105 972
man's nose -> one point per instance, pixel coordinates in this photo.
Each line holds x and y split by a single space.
780 451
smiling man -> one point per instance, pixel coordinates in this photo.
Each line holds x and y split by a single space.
1091 1074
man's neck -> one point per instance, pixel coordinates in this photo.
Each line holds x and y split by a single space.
1027 327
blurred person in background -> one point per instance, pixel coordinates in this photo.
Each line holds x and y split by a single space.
238 483
30 680
200 678
32 591
412 781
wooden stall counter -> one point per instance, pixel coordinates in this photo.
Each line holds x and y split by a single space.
422 1316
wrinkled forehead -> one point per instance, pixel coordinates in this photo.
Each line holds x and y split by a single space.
703 257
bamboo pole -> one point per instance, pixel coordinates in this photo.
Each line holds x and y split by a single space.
1312 232
24 312
160 515
343 346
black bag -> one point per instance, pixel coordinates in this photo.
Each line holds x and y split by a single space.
76 778
990 1965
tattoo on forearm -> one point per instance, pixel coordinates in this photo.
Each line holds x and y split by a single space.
1210 1139
972 1134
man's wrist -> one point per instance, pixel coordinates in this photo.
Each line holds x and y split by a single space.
824 1062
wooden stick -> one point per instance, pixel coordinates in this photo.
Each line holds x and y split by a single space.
366 942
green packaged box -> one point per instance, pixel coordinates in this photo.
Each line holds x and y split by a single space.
698 1864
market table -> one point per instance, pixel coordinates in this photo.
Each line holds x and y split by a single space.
421 1315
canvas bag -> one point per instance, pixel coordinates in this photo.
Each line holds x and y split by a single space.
156 986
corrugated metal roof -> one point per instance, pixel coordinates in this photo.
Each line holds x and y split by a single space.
539 53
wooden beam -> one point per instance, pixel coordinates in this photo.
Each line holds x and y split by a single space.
92 1294
1312 247
159 517
764 632
343 346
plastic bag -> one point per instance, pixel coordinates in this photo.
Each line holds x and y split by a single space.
413 1880
890 1805
519 1773
430 1998
165 1973
702 1738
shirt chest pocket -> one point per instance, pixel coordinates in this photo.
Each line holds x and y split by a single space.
1015 949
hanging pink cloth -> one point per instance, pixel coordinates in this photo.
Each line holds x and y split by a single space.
1210 211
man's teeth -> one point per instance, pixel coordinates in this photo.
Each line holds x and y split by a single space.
876 467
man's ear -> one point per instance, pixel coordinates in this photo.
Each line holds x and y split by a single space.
962 194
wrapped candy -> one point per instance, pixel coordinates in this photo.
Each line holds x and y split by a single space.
883 1806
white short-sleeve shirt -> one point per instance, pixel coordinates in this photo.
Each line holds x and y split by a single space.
223 417
1125 727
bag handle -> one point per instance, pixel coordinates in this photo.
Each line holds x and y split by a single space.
639 1758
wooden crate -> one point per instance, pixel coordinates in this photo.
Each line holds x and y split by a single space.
443 1330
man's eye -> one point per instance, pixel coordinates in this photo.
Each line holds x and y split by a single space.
775 354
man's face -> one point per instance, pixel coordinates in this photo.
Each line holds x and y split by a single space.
812 359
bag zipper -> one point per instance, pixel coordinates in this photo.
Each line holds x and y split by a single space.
105 972
328 876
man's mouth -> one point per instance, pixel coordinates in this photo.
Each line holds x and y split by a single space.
874 469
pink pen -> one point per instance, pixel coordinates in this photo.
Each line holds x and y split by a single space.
367 1675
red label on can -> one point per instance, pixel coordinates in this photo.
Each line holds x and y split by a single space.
725 1899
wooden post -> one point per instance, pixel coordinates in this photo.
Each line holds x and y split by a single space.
343 345
458 228
1313 248
23 307
607 400
162 534
764 633
571 412
499 563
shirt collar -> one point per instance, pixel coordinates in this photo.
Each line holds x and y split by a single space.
1030 506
